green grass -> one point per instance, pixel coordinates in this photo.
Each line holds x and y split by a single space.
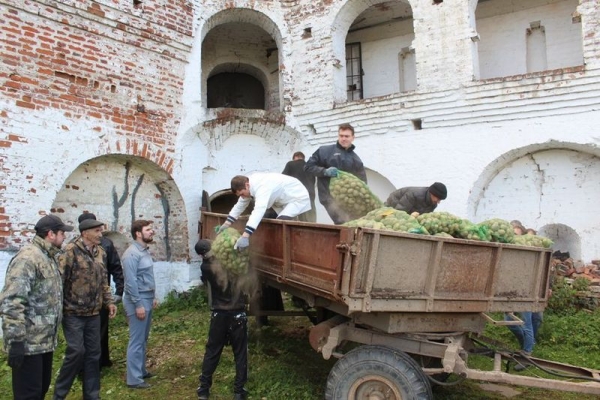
284 366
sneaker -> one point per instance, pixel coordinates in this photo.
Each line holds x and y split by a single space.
142 385
148 375
203 396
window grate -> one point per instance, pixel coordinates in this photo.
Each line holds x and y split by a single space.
354 71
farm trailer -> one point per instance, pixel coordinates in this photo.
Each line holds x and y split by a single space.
414 303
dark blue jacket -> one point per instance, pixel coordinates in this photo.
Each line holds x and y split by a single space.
336 156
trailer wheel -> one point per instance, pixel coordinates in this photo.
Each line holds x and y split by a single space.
377 373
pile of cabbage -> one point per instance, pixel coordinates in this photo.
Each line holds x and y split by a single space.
444 224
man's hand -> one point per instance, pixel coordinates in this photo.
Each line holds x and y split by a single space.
16 354
242 243
154 304
331 172
221 228
140 313
112 311
117 299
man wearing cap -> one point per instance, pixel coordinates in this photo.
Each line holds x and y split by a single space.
31 309
228 324
418 199
114 269
85 292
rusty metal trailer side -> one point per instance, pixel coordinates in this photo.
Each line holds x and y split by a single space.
370 270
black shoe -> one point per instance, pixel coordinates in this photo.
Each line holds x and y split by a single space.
148 375
142 385
521 367
204 395
241 396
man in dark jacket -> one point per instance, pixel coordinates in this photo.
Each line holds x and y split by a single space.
295 168
417 199
228 324
31 309
327 161
114 269
85 292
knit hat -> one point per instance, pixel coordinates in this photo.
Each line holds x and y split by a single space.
438 189
202 247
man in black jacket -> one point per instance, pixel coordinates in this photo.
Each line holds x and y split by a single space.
295 168
418 199
327 161
114 269
228 324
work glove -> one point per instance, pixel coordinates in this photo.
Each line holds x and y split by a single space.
117 299
241 243
331 172
221 228
16 354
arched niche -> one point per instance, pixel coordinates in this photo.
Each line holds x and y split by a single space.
121 188
564 237
239 38
543 184
234 85
385 32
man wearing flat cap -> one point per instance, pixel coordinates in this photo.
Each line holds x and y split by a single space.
418 199
31 309
85 292
114 270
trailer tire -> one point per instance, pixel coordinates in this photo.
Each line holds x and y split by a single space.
377 372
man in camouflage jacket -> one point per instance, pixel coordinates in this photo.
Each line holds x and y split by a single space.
31 309
85 291
114 269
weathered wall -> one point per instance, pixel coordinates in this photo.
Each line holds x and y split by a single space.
95 83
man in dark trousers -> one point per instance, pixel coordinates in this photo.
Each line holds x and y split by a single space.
85 292
228 324
327 161
31 309
295 168
114 269
418 199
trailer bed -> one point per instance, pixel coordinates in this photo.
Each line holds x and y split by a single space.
374 271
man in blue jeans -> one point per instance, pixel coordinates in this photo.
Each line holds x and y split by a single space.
139 300
526 334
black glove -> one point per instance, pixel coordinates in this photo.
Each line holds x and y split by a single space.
16 354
